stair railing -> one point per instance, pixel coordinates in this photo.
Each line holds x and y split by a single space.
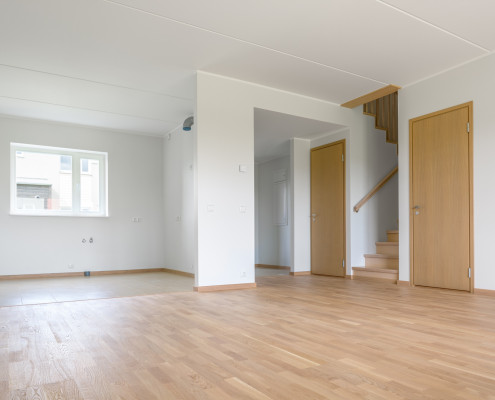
373 191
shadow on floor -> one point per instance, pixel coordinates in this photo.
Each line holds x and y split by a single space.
51 290
270 272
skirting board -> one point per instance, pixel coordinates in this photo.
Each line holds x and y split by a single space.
349 277
486 292
403 283
217 288
93 273
300 273
123 271
270 266
38 276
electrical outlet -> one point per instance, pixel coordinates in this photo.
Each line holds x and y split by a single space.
70 266
243 274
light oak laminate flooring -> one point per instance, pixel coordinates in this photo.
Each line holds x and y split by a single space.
304 337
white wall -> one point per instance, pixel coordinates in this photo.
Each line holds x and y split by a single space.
225 195
300 176
179 214
474 82
272 240
32 245
225 125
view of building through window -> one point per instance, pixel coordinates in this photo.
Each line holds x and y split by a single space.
49 181
44 181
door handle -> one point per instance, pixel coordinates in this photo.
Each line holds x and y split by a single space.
416 208
313 216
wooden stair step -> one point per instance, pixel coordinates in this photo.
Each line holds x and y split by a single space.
379 255
391 248
393 236
383 274
381 261
376 269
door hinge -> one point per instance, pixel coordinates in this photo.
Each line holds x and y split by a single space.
467 127
469 272
342 157
343 263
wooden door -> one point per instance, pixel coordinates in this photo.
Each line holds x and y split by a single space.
328 209
441 211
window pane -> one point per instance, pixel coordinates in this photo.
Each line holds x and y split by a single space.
41 182
66 163
90 185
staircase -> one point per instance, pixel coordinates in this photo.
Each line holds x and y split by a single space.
384 265
385 111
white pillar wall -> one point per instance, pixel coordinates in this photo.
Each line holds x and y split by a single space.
225 186
301 205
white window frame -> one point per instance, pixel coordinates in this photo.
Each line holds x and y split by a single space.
76 155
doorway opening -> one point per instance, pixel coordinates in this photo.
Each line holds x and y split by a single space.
274 189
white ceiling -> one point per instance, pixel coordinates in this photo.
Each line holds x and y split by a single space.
130 64
272 129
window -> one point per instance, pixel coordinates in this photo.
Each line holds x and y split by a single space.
55 181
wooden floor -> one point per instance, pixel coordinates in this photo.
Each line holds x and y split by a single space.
305 337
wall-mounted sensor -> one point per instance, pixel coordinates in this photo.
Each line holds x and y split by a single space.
188 123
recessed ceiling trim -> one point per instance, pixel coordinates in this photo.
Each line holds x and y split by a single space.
71 124
305 96
97 82
88 109
433 25
242 40
448 69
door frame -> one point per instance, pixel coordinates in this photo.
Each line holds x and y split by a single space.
469 105
344 190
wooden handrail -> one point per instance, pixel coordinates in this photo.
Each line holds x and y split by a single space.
373 191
